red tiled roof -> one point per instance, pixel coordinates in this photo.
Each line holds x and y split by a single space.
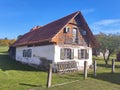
45 33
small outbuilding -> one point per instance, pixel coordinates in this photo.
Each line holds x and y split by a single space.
118 56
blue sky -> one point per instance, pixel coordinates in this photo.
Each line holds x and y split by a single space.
19 16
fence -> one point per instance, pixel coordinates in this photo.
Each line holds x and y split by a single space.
65 67
72 67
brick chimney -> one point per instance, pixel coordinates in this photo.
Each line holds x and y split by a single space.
35 28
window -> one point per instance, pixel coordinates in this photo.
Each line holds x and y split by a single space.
74 33
27 53
66 29
24 53
83 54
83 32
67 53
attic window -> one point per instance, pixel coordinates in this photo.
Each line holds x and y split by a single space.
75 35
66 29
83 32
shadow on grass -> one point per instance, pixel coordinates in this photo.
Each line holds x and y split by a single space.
108 65
104 65
71 76
109 77
30 85
5 52
6 63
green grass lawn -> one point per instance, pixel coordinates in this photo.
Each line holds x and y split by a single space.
16 76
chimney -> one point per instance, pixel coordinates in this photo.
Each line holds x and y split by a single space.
35 28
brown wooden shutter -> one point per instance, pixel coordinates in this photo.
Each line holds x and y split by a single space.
86 54
79 54
62 53
24 51
72 53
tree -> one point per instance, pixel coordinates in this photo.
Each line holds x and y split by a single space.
108 42
19 36
6 42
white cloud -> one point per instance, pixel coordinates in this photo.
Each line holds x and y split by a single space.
86 11
107 22
106 26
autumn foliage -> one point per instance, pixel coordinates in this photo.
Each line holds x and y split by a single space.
6 42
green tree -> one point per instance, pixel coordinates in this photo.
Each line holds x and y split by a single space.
108 42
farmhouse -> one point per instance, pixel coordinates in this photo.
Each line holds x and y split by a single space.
66 39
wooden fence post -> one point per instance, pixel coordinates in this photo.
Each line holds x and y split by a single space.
113 65
49 77
85 69
95 67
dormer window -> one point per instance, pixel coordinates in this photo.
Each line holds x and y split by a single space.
83 32
66 29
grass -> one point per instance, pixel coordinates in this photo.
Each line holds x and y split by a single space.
16 76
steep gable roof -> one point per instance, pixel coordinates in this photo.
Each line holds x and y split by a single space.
48 32
90 35
45 33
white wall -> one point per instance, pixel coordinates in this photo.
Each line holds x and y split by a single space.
80 62
37 53
50 52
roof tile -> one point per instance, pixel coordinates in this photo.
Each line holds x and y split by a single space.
45 33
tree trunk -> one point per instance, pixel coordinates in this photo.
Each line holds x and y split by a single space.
108 57
106 62
104 56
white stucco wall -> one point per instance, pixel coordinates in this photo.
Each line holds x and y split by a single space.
38 52
50 52
79 61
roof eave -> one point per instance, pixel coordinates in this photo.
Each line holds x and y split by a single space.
33 42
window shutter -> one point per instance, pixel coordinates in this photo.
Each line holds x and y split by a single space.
82 53
62 53
66 29
29 53
24 53
72 54
79 54
86 54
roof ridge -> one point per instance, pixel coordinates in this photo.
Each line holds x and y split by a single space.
61 18
46 32
74 15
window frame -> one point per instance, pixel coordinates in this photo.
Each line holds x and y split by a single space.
75 35
66 53
83 54
24 53
66 29
84 32
27 53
